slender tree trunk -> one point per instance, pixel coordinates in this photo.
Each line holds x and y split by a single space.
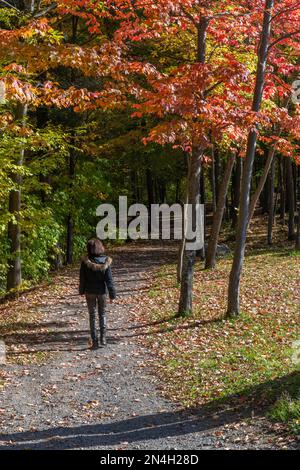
217 169
295 186
213 182
282 190
210 260
70 221
203 202
150 187
182 244
72 165
261 183
297 244
70 238
162 192
177 193
133 182
271 203
237 188
14 274
290 191
194 173
237 266
264 194
189 256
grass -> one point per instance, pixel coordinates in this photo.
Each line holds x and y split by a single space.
207 359
287 410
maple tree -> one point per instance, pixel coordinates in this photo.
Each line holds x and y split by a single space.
31 51
193 104
198 101
164 101
203 101
275 15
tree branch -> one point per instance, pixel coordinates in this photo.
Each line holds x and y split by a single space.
188 15
46 10
286 10
9 5
282 38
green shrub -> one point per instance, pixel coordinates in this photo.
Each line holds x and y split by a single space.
287 410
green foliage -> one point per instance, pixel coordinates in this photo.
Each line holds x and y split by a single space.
287 410
9 18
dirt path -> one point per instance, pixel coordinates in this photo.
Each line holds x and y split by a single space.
82 399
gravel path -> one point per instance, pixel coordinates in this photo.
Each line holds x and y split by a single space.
105 399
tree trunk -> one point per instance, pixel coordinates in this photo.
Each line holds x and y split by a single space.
261 183
162 191
297 244
14 274
290 191
271 203
150 187
213 182
189 256
238 260
282 190
70 221
177 193
237 189
182 244
72 165
210 260
217 169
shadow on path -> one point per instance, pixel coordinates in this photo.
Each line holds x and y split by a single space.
43 341
206 418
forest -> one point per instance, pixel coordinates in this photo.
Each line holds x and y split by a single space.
165 102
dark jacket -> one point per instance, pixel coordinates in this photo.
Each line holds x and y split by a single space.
96 277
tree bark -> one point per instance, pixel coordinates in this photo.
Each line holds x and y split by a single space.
72 166
290 191
70 221
217 169
182 244
210 260
189 256
282 190
213 182
150 188
237 189
271 203
261 183
297 244
239 254
14 273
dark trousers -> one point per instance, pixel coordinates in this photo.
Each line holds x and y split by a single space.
96 302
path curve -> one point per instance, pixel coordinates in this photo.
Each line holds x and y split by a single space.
105 399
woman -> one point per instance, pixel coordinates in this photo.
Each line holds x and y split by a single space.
95 280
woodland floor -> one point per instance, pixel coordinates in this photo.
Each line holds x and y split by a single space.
57 394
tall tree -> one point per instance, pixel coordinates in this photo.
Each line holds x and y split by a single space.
210 259
239 253
14 273
198 101
270 17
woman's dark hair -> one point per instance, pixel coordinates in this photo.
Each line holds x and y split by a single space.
95 247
